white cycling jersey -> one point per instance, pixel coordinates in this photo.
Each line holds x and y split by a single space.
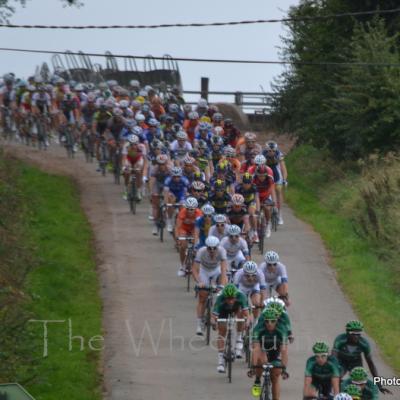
203 257
275 278
180 151
233 248
214 232
248 286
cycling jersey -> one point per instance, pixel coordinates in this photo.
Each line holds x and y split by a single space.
264 188
222 309
283 324
220 202
248 194
233 248
203 257
214 232
178 152
187 220
88 113
101 117
177 188
271 342
349 354
369 392
42 101
276 278
322 373
273 161
133 153
8 96
216 155
229 178
160 177
203 225
247 286
236 216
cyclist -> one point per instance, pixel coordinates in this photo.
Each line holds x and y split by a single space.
198 190
236 248
349 347
265 193
190 125
250 147
203 159
216 150
184 228
237 213
276 277
231 133
189 168
203 225
249 192
250 281
203 133
180 147
158 175
322 373
231 301
209 267
269 346
220 227
133 162
275 160
175 190
359 377
219 197
225 174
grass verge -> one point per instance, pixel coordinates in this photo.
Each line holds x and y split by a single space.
62 287
322 195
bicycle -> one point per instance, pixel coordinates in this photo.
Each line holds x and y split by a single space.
189 259
161 219
7 123
209 305
103 155
133 191
69 141
261 229
117 164
42 136
87 143
231 274
274 219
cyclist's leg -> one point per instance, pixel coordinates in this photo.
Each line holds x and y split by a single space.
256 300
276 384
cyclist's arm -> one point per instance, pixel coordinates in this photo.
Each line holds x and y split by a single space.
284 354
335 384
224 268
195 271
282 164
257 197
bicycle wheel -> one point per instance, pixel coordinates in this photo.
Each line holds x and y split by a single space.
229 355
261 235
266 391
274 221
208 321
188 268
132 197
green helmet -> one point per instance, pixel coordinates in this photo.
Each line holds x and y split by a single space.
354 326
353 390
270 314
320 348
279 308
230 290
359 375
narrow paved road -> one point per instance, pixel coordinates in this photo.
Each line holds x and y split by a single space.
151 350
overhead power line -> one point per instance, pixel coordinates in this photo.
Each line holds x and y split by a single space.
208 60
205 24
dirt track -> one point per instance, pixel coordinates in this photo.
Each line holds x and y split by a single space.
141 293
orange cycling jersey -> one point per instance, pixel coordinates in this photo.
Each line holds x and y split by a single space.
187 221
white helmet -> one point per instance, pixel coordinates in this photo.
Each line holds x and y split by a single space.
271 257
140 117
212 241
133 139
250 267
181 135
134 83
202 103
176 171
271 300
208 209
193 115
343 396
191 202
259 159
234 230
124 103
220 219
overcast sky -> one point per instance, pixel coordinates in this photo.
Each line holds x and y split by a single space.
259 41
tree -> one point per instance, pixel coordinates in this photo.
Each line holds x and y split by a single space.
7 7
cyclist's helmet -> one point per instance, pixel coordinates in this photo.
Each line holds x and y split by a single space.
134 83
320 348
124 104
191 203
271 145
140 118
247 178
198 185
217 117
219 185
203 126
173 108
343 396
137 130
279 308
250 268
262 170
230 290
220 219
162 159
202 103
237 199
250 136
271 257
270 314
133 139
182 135
153 122
234 230
228 122
259 159
176 171
229 151
188 160
202 144
354 391
117 112
217 140
31 88
187 108
197 176
193 115
359 375
208 209
354 326
212 241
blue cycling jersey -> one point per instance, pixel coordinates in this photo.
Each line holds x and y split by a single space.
203 225
177 188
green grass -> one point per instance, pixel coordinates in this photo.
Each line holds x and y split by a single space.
324 197
64 286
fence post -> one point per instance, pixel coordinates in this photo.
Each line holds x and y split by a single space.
239 98
204 87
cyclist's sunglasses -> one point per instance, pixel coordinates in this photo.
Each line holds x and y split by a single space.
272 264
220 225
234 236
198 190
212 248
354 333
322 355
270 321
191 209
